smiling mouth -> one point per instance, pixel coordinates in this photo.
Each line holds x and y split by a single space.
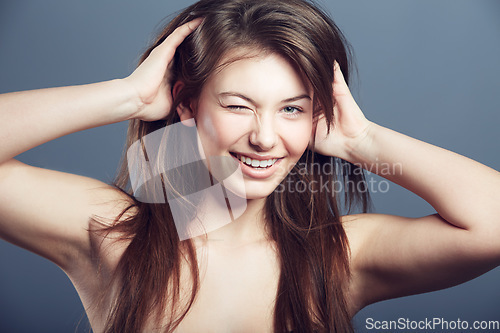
255 163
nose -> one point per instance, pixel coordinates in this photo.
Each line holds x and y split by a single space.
264 135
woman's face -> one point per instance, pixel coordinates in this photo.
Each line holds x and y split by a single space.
258 112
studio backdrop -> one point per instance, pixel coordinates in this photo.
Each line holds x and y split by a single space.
429 69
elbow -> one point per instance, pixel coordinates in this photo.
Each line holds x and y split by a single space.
487 243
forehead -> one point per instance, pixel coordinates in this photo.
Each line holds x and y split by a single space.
250 70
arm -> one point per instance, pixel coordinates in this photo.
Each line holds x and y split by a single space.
394 256
48 212
46 114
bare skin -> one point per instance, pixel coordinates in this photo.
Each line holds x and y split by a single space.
391 256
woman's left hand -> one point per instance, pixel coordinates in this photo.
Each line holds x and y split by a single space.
350 127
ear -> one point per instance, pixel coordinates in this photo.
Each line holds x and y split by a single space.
185 113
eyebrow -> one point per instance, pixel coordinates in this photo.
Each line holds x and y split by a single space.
248 99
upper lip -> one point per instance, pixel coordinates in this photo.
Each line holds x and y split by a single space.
259 157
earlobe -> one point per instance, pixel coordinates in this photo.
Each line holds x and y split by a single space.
185 113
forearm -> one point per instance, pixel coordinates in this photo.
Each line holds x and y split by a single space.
30 118
462 191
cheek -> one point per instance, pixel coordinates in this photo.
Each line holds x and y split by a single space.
296 136
229 128
218 131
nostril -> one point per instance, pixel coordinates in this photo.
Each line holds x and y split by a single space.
264 136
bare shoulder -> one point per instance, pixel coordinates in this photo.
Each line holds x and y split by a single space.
357 228
111 207
373 240
394 256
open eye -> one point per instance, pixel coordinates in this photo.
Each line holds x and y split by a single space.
291 111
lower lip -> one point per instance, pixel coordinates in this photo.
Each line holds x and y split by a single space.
258 173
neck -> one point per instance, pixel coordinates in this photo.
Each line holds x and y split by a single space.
249 228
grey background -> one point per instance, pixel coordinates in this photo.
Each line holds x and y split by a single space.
428 69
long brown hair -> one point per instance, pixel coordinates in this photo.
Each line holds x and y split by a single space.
311 243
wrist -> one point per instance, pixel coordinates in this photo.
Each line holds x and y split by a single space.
361 149
130 104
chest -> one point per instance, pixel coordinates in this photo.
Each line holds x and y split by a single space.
237 291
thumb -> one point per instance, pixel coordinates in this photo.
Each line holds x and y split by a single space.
341 94
340 88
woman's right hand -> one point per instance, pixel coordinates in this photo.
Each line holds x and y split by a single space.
148 81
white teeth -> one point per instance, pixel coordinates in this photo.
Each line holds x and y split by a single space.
257 163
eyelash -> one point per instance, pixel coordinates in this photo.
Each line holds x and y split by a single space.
291 115
294 114
237 107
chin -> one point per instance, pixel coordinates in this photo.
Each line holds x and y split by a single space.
257 196
259 191
249 189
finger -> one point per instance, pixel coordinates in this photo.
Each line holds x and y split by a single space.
337 73
180 33
340 87
345 105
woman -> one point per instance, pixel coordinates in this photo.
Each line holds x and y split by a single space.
301 248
